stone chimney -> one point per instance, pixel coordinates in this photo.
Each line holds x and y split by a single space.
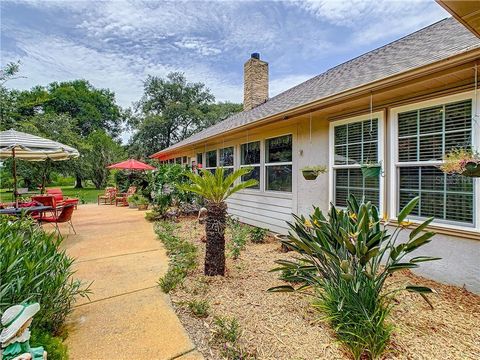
255 82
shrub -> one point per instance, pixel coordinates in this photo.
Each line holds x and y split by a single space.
353 254
199 308
183 256
257 234
33 268
239 233
55 348
227 333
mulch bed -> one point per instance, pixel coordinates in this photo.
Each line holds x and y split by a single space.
285 326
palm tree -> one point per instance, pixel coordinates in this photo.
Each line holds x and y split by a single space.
215 189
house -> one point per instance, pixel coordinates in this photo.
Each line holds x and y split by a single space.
402 105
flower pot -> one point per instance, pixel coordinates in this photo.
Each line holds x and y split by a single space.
142 206
472 169
371 170
309 174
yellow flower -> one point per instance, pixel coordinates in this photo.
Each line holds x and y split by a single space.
308 223
405 224
353 216
385 217
316 222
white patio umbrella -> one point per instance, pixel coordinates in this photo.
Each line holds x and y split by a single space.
19 145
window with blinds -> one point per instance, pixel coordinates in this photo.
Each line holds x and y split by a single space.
424 136
355 143
250 156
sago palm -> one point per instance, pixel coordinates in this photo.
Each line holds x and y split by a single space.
215 189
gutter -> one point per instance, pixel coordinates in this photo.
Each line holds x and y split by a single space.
365 89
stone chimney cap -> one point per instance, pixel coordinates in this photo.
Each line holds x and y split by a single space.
255 55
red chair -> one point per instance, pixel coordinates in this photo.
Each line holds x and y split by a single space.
46 200
60 199
64 217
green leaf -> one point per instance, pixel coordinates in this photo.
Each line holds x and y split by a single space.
408 209
419 289
421 240
423 259
401 266
420 227
282 288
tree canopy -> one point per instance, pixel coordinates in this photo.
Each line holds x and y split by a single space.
172 109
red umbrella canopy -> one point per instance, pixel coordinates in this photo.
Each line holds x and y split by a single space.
131 164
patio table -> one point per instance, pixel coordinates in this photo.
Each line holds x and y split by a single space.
27 210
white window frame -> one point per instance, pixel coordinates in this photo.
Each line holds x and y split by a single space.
381 154
259 165
265 164
233 158
205 160
395 164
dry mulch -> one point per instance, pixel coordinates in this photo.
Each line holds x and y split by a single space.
285 326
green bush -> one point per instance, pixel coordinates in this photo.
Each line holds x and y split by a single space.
258 234
199 308
239 235
183 256
33 268
53 345
353 254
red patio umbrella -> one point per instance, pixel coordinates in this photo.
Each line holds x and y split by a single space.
131 164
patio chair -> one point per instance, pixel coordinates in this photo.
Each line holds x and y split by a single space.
122 197
46 200
60 199
65 216
108 196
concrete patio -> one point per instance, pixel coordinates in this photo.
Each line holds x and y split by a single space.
127 316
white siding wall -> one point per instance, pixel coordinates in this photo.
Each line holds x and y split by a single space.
261 210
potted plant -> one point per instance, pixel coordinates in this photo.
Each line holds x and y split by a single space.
142 202
462 161
132 201
311 172
371 169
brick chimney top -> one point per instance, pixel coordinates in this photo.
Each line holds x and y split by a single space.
255 82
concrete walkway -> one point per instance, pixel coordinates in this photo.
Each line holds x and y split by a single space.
127 316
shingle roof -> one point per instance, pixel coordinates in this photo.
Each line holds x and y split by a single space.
431 44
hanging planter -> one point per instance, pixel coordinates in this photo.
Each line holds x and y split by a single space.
312 172
465 162
371 170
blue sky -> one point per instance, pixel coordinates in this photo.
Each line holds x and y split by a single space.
116 44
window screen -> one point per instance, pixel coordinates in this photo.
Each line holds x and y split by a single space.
424 136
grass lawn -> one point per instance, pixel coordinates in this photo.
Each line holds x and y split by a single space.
86 195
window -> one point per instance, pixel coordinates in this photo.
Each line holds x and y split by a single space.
424 135
178 160
250 156
226 160
278 164
171 161
184 160
211 160
355 143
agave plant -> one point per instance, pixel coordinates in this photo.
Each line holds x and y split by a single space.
347 258
215 189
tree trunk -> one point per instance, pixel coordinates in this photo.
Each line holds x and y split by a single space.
215 231
78 183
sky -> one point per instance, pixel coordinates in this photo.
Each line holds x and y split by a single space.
116 44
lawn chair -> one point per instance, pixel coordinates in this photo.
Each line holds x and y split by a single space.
65 216
46 200
122 198
108 196
60 199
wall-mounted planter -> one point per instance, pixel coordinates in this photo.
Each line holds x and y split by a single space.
472 169
309 174
371 170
